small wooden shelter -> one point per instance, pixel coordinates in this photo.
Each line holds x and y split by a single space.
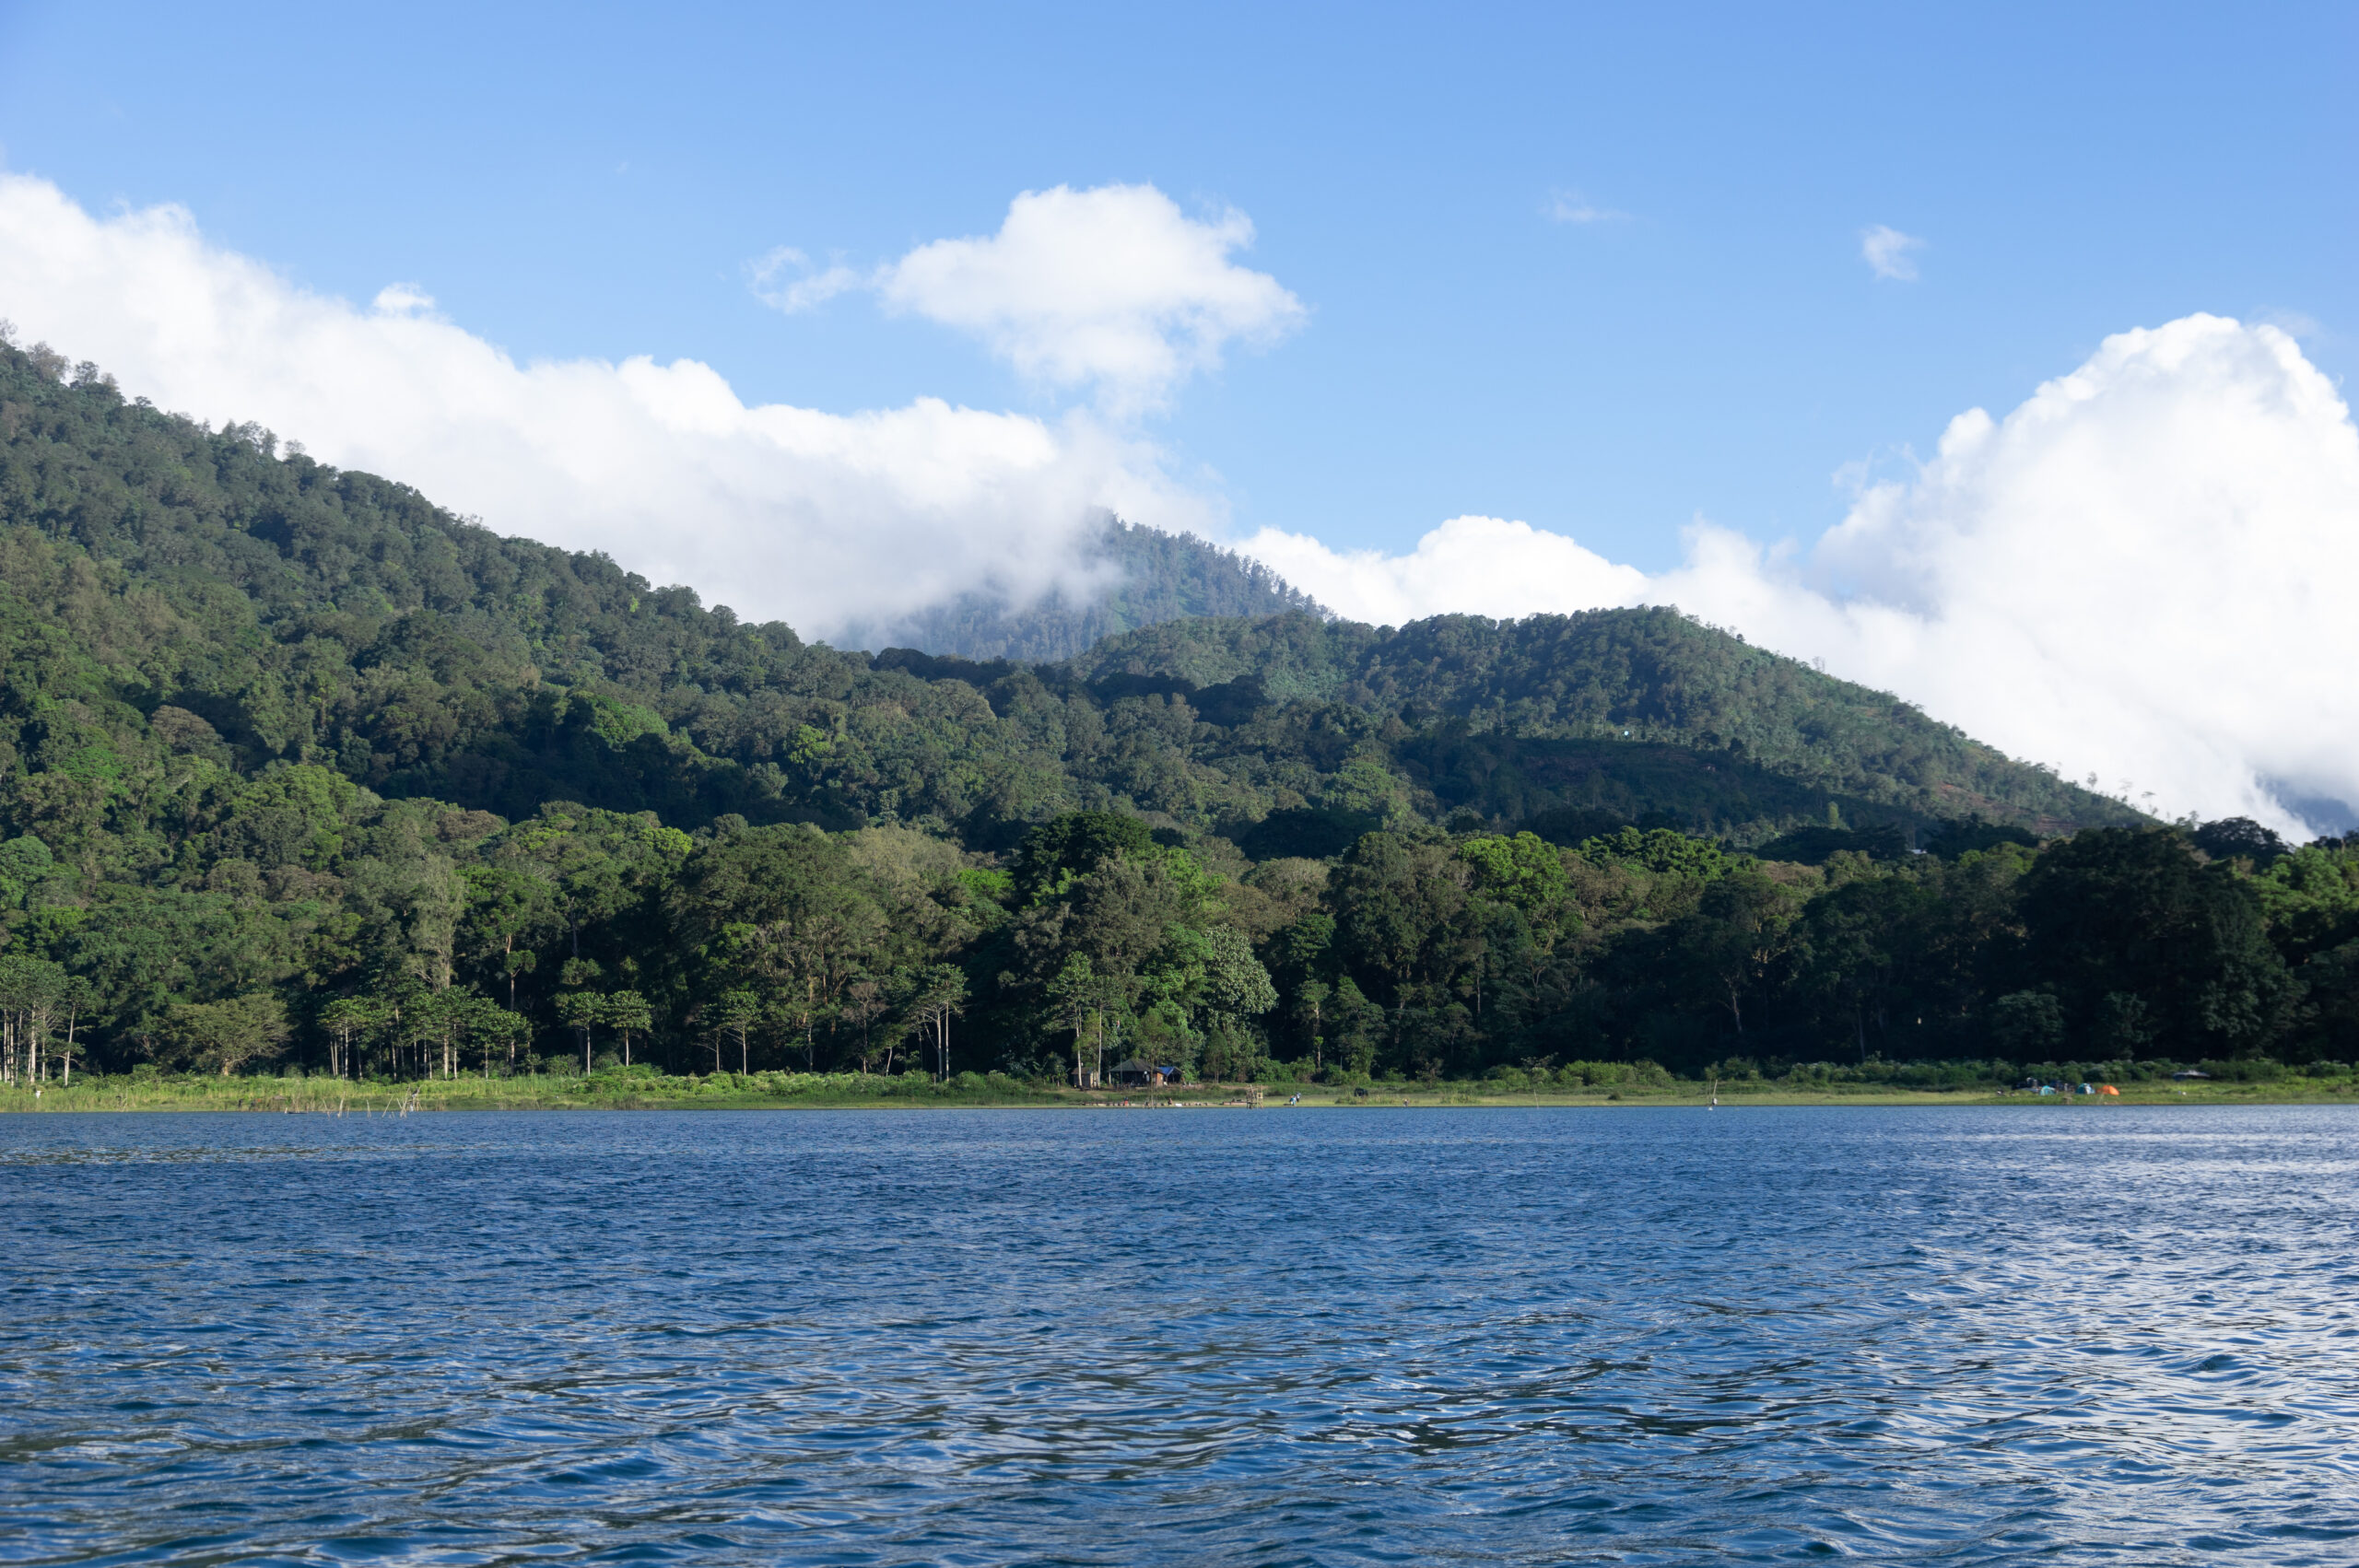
1137 1072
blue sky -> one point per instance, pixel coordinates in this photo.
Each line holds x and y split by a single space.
581 180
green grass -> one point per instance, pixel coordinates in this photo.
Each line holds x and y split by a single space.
603 1091
644 1091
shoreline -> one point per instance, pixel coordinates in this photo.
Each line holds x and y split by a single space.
317 1098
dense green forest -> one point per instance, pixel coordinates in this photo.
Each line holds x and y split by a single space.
296 767
1152 576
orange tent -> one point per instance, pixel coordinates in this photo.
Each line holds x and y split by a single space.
2109 1088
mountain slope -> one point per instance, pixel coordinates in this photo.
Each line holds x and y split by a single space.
180 605
275 737
1644 675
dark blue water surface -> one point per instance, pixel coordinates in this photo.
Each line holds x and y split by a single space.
1198 1337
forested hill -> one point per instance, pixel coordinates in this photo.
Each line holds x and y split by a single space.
295 766
1650 675
169 592
1155 576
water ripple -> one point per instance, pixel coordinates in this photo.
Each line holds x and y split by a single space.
1648 1337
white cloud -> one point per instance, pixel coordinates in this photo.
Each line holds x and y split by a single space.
403 299
785 280
1113 286
2139 573
1480 566
1890 253
822 519
1568 206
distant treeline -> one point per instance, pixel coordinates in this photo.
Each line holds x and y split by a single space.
318 924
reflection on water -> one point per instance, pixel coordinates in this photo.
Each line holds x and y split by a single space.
1423 1337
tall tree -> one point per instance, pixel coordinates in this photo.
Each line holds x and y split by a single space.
228 1034
628 1014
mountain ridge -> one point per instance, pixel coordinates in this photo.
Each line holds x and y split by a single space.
296 613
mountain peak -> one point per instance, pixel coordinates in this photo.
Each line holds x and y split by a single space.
1155 577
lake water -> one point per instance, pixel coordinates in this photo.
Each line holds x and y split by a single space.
1953 1336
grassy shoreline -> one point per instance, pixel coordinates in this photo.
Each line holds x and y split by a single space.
792 1092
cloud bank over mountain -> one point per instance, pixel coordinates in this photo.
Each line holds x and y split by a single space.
2135 575
2140 574
820 518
